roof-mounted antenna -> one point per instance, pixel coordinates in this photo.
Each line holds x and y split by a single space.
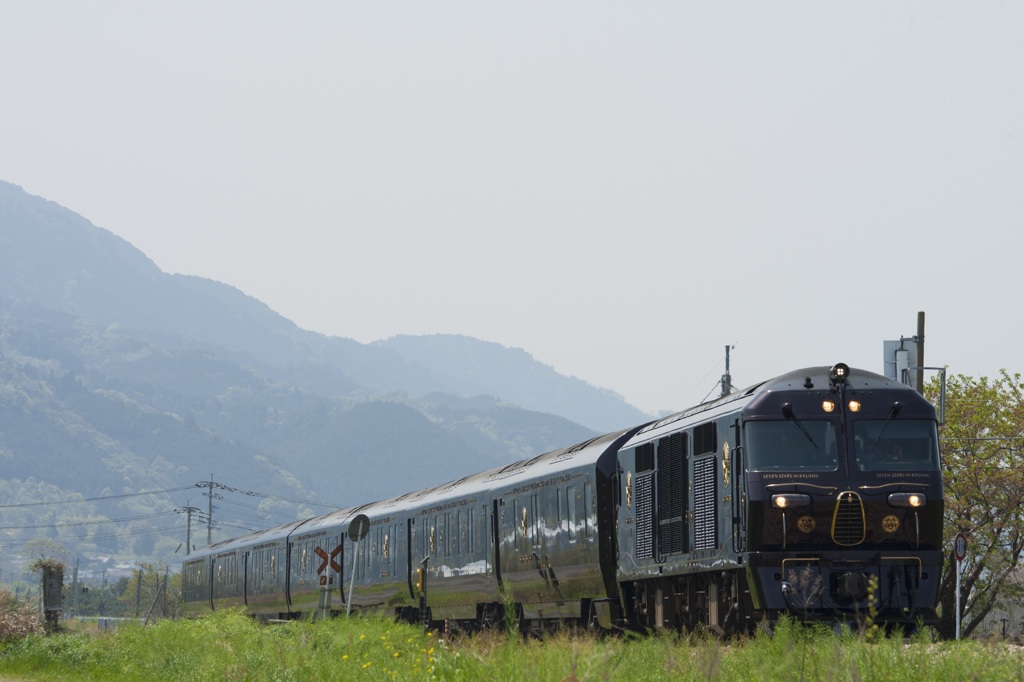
727 386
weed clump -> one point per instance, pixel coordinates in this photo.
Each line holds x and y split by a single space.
17 620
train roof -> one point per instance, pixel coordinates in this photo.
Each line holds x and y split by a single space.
550 463
806 378
324 521
819 377
249 539
705 411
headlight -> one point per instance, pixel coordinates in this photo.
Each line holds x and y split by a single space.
839 373
790 501
907 499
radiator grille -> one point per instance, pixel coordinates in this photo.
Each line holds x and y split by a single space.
672 494
705 511
644 509
848 520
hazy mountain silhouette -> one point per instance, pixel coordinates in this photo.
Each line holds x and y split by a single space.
116 377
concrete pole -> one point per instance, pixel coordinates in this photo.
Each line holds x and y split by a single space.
209 514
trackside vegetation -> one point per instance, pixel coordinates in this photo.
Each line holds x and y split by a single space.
232 646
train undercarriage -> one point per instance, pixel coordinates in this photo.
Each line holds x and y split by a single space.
718 602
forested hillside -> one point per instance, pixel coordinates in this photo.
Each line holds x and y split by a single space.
117 379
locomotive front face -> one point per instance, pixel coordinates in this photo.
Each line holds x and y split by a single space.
843 499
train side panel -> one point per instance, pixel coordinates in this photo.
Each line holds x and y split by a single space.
380 563
452 558
314 566
196 585
555 558
680 563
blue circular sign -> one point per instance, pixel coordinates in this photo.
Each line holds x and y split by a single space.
960 546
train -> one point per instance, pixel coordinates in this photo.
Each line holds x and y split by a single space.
816 495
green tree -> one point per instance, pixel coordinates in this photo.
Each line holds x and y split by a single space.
144 594
41 549
982 444
105 598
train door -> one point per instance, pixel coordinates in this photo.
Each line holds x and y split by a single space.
590 519
495 543
733 467
246 581
409 549
287 576
420 555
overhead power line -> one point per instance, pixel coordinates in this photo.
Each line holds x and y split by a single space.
97 499
253 493
95 538
89 523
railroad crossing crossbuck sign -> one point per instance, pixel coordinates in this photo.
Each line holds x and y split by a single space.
324 560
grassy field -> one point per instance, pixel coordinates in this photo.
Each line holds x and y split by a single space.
230 646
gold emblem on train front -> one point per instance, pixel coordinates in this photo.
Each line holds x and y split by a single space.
806 524
725 463
890 524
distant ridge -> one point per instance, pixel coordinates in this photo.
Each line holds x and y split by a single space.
116 377
57 259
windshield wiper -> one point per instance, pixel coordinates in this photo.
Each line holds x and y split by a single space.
893 411
787 412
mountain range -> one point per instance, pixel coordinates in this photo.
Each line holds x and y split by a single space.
132 399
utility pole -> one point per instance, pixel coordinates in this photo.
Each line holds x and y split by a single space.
209 512
138 591
75 589
187 510
920 352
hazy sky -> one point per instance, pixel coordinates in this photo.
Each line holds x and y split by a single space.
621 189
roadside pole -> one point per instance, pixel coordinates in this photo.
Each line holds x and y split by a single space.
357 530
959 552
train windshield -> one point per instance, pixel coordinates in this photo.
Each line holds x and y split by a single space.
896 445
807 445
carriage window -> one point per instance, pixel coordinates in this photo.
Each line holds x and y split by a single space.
570 494
783 446
559 516
535 526
446 537
589 511
457 536
896 445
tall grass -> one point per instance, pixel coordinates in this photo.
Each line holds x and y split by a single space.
17 619
230 646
